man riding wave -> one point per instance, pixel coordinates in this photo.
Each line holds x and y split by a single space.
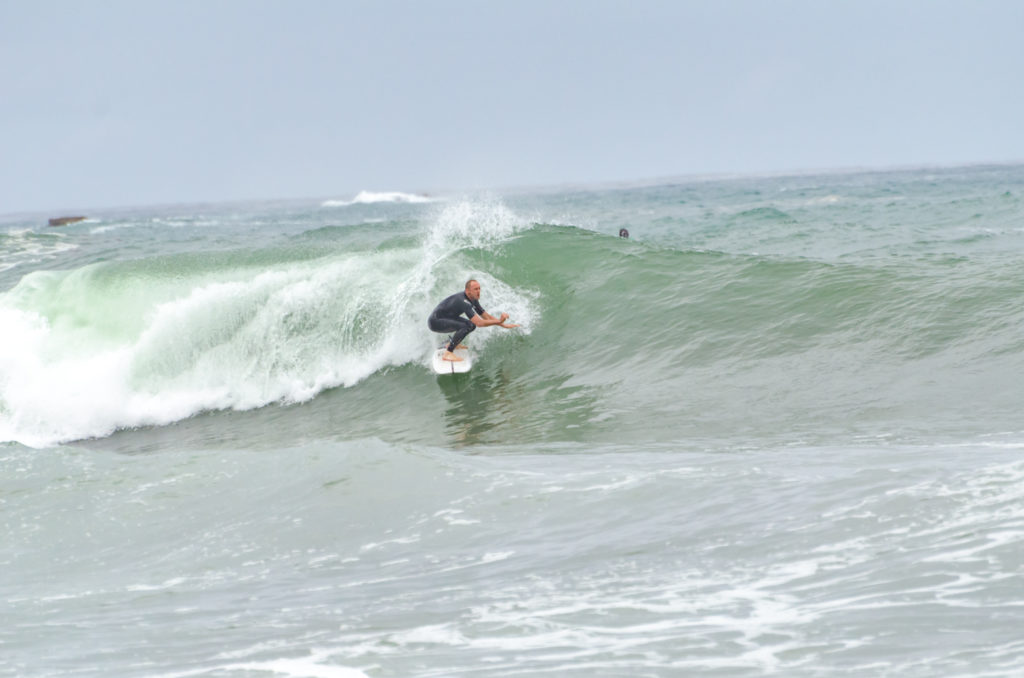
447 317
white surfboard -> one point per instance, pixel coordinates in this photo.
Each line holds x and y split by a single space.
442 366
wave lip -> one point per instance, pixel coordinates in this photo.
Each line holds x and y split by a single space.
373 197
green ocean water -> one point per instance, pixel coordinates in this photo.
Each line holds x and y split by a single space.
776 430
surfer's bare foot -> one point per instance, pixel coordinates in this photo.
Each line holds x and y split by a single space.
448 355
462 347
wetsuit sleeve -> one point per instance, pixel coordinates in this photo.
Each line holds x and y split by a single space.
478 308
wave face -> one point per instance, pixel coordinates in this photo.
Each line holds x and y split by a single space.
786 309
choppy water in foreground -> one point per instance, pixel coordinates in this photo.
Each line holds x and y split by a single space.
778 430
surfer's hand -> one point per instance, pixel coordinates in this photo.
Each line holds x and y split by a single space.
504 317
508 325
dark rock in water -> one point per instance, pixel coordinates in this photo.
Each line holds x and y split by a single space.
64 221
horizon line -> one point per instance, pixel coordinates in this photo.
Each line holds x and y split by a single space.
547 187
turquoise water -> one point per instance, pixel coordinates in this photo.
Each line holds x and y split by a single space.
775 431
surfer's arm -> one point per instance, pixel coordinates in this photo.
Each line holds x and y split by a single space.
486 319
502 321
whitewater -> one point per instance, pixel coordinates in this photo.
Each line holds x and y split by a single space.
776 431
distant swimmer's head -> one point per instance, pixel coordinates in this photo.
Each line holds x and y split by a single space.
623 233
472 289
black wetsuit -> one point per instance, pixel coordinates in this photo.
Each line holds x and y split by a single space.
447 317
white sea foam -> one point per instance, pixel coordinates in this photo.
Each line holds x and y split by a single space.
108 228
400 540
301 668
24 247
371 197
170 583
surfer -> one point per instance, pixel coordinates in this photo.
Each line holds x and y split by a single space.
447 317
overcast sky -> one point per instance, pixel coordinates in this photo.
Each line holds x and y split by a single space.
136 102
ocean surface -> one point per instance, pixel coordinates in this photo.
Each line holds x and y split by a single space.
777 431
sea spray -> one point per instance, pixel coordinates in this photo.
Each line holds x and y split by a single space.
482 225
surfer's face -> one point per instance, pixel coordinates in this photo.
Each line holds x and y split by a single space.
473 291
